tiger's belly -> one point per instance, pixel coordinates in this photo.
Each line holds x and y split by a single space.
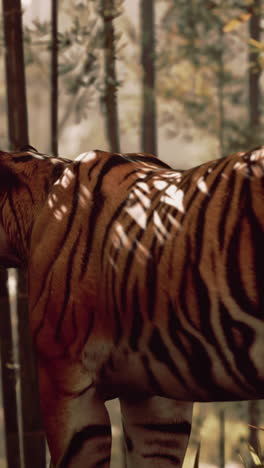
197 373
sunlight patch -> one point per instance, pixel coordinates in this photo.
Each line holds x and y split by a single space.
161 231
174 198
201 184
139 215
85 195
160 184
174 221
142 253
143 186
60 212
146 202
85 157
121 238
66 179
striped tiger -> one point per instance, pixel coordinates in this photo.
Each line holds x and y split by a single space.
145 284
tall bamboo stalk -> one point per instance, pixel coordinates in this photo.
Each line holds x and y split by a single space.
54 77
8 377
15 74
254 74
148 117
33 439
108 13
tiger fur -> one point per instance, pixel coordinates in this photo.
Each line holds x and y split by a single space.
145 284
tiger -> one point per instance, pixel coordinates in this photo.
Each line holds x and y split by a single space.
145 284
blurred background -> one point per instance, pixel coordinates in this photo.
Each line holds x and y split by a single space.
178 78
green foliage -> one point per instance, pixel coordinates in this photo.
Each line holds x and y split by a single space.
214 92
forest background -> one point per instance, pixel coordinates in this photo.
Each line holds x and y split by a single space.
179 78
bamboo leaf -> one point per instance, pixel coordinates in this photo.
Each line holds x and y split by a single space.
259 428
236 22
243 461
254 456
197 457
257 44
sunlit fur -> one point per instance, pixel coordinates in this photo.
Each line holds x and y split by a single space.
145 284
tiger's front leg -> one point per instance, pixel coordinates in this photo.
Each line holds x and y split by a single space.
156 432
77 424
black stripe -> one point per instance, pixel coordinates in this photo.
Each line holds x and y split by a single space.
20 240
67 289
104 461
90 328
204 205
161 353
225 210
151 265
128 440
98 204
164 456
132 157
126 272
241 352
258 255
23 159
80 438
137 324
57 171
75 199
175 331
117 313
109 226
151 286
92 167
207 327
153 382
233 262
68 230
169 428
80 393
28 148
129 174
74 323
42 321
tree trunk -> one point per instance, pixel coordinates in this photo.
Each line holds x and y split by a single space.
148 120
108 13
8 376
33 440
15 74
254 75
54 78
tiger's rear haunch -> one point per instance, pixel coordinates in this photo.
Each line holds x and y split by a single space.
145 284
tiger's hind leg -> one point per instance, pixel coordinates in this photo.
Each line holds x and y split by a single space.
77 424
156 432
